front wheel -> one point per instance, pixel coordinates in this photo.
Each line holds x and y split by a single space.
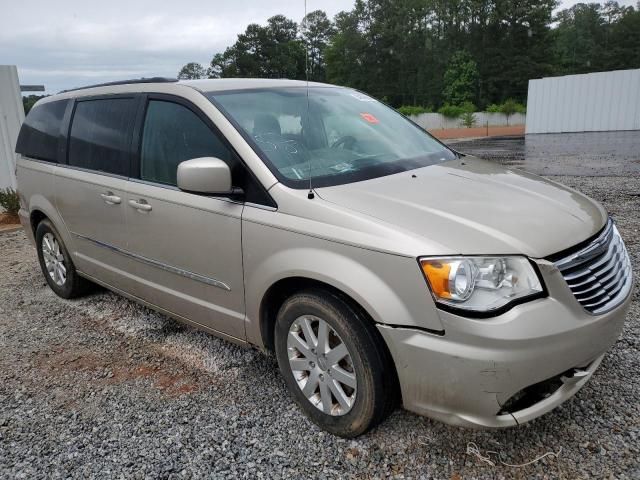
334 363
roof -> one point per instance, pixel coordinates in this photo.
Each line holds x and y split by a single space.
169 85
124 82
220 84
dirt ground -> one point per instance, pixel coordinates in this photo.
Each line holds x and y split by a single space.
8 222
6 219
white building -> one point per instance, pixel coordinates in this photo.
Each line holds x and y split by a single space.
11 117
590 102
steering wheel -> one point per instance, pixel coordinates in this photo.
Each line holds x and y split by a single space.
346 141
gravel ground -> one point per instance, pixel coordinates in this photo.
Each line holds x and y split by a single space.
101 387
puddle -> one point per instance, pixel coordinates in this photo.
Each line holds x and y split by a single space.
573 154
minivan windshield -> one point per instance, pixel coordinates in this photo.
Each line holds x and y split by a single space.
333 135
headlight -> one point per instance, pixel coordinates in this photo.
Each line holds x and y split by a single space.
480 284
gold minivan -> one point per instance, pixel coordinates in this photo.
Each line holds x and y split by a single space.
380 266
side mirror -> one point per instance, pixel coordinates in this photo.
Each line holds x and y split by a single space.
205 175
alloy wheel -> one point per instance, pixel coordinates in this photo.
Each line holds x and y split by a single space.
322 365
54 259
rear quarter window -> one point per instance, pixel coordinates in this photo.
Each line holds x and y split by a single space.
40 132
101 133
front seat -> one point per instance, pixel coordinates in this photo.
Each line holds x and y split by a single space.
266 123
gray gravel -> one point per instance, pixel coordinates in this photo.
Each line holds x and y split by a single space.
101 387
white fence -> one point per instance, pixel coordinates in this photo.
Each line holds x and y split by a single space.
584 103
11 117
436 121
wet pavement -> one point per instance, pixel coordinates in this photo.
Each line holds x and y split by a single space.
573 154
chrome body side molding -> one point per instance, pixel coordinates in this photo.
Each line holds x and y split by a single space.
169 268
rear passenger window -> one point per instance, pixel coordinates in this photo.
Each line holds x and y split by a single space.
172 134
100 135
40 131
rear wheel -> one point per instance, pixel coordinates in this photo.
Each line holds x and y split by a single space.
56 264
334 363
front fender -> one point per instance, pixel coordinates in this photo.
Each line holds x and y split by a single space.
390 288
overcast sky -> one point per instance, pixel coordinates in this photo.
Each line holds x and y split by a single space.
69 43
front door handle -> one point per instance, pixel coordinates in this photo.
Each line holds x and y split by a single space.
140 205
110 198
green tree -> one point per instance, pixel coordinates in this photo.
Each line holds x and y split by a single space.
460 79
219 66
192 71
432 52
29 101
316 31
468 119
509 107
580 39
623 45
345 52
271 51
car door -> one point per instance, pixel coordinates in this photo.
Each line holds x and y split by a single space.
187 246
90 185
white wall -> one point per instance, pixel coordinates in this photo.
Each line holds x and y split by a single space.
11 117
435 121
584 103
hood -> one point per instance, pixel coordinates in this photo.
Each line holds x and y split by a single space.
472 206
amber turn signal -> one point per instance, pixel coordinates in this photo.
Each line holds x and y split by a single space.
437 274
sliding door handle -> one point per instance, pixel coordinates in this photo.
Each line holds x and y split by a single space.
140 205
110 198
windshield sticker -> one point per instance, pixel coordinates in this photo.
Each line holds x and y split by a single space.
369 118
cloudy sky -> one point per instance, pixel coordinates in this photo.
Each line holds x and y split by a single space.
69 43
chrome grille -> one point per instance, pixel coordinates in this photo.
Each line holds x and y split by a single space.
599 275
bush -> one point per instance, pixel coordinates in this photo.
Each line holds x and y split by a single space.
9 201
509 107
409 110
455 111
468 119
468 107
450 111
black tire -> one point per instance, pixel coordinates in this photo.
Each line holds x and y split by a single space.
377 386
74 285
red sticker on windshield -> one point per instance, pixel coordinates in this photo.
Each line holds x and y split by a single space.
369 118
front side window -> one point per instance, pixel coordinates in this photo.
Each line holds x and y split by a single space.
333 135
40 131
172 134
101 133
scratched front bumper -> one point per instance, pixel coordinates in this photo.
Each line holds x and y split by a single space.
465 376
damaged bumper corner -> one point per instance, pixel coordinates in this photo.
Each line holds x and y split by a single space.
477 377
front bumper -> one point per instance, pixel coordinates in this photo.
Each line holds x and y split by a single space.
471 375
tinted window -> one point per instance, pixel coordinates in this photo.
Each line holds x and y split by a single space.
172 134
100 135
39 134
